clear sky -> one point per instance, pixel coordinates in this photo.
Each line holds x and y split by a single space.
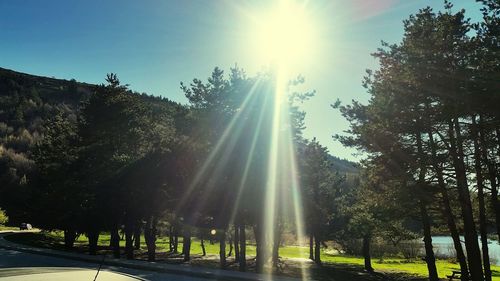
154 45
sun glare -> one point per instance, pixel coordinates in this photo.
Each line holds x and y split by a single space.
284 36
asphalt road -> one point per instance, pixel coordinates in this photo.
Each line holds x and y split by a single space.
16 265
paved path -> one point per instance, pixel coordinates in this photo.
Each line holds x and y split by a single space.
17 265
44 261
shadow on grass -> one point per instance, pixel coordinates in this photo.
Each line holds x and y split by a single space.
288 267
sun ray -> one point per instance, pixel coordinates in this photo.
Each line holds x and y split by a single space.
248 163
201 173
284 39
297 206
273 166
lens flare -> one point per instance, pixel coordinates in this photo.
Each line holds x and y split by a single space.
284 35
229 131
282 173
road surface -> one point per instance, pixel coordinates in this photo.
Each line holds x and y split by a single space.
15 265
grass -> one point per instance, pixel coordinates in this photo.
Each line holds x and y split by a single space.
3 228
415 268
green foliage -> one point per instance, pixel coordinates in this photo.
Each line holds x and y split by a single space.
231 118
57 200
117 130
43 139
321 188
3 217
420 122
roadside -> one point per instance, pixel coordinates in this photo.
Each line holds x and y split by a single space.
205 266
181 269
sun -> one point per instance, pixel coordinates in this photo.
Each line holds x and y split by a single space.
284 36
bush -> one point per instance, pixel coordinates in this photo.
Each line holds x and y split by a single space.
380 248
411 249
3 217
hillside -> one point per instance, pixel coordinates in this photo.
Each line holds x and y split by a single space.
27 102
343 165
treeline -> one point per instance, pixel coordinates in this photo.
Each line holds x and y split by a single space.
121 161
431 130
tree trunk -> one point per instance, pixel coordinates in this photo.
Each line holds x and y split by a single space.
447 211
430 258
311 246
482 209
495 200
129 241
492 177
93 236
171 238
202 244
115 241
176 241
230 242
448 214
150 237
222 249
243 248
471 243
137 236
236 242
276 243
186 243
317 250
315 225
69 238
366 253
259 249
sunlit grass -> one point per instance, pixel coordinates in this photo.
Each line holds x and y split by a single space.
4 228
417 267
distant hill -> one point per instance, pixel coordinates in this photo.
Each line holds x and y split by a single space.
343 165
27 102
49 90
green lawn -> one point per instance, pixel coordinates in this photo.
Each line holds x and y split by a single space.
3 227
415 267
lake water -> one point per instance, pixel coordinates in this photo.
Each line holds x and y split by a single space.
443 247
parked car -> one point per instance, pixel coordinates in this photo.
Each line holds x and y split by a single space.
25 226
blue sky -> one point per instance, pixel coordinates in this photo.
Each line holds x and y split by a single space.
154 45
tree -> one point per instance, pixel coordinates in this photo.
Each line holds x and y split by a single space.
57 200
114 131
318 183
421 94
234 123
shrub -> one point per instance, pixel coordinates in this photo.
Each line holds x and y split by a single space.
3 217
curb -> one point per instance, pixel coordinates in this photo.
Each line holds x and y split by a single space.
188 270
